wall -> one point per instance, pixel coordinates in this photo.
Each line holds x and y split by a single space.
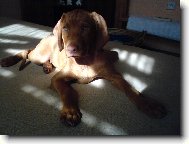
154 8
10 8
121 13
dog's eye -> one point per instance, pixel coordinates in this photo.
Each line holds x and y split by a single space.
65 29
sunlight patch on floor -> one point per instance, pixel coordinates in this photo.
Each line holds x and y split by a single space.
42 95
97 83
104 127
88 119
133 59
141 62
110 129
6 73
123 54
11 41
13 51
145 64
135 82
23 30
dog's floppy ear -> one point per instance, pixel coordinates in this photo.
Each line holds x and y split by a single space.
57 31
102 32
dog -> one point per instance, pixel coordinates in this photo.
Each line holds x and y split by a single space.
76 49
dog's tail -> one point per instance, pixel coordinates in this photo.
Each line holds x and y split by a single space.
12 60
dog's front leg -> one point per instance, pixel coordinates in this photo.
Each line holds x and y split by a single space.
147 105
70 113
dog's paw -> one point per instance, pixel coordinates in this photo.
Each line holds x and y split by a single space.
2 63
151 107
70 116
47 68
9 61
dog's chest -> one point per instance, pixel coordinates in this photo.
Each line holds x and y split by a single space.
83 71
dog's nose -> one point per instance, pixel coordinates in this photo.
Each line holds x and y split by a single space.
72 48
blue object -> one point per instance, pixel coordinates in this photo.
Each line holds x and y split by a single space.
155 26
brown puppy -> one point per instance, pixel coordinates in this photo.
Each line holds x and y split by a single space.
76 51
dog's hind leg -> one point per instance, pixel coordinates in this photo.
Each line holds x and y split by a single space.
25 62
147 105
12 60
42 52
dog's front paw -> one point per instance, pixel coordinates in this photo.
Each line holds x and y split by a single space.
47 68
151 107
70 116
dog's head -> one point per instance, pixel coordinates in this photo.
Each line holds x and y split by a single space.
81 33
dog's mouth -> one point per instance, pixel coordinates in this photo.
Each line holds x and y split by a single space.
73 55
